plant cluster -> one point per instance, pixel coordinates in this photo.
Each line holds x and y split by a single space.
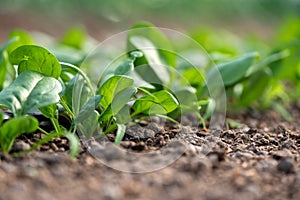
150 80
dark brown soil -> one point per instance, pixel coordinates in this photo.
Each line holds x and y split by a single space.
258 161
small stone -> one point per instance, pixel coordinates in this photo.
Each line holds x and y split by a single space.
20 146
53 146
285 166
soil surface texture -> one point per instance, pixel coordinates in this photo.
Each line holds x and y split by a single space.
258 160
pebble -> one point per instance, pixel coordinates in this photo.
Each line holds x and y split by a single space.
285 165
20 146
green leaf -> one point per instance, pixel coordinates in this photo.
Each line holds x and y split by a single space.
79 95
90 125
162 98
121 99
14 128
123 116
232 71
30 91
36 58
113 86
120 133
87 109
74 144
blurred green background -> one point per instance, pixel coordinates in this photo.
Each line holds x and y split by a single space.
103 17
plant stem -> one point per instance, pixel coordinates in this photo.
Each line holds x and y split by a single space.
88 82
66 107
43 131
55 123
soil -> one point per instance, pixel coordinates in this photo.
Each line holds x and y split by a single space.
260 160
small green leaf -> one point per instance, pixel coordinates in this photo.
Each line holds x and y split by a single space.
35 58
14 128
232 71
120 133
30 91
74 144
163 98
90 125
128 66
87 109
121 99
113 86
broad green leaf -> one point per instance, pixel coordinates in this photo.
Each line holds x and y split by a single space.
35 58
30 91
22 38
123 116
120 133
163 98
87 109
128 66
14 128
119 101
74 144
113 86
156 37
232 71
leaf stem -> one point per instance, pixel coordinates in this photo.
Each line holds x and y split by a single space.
43 131
55 123
66 107
88 82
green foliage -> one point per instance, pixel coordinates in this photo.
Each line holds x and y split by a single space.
150 79
35 58
14 128
30 91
